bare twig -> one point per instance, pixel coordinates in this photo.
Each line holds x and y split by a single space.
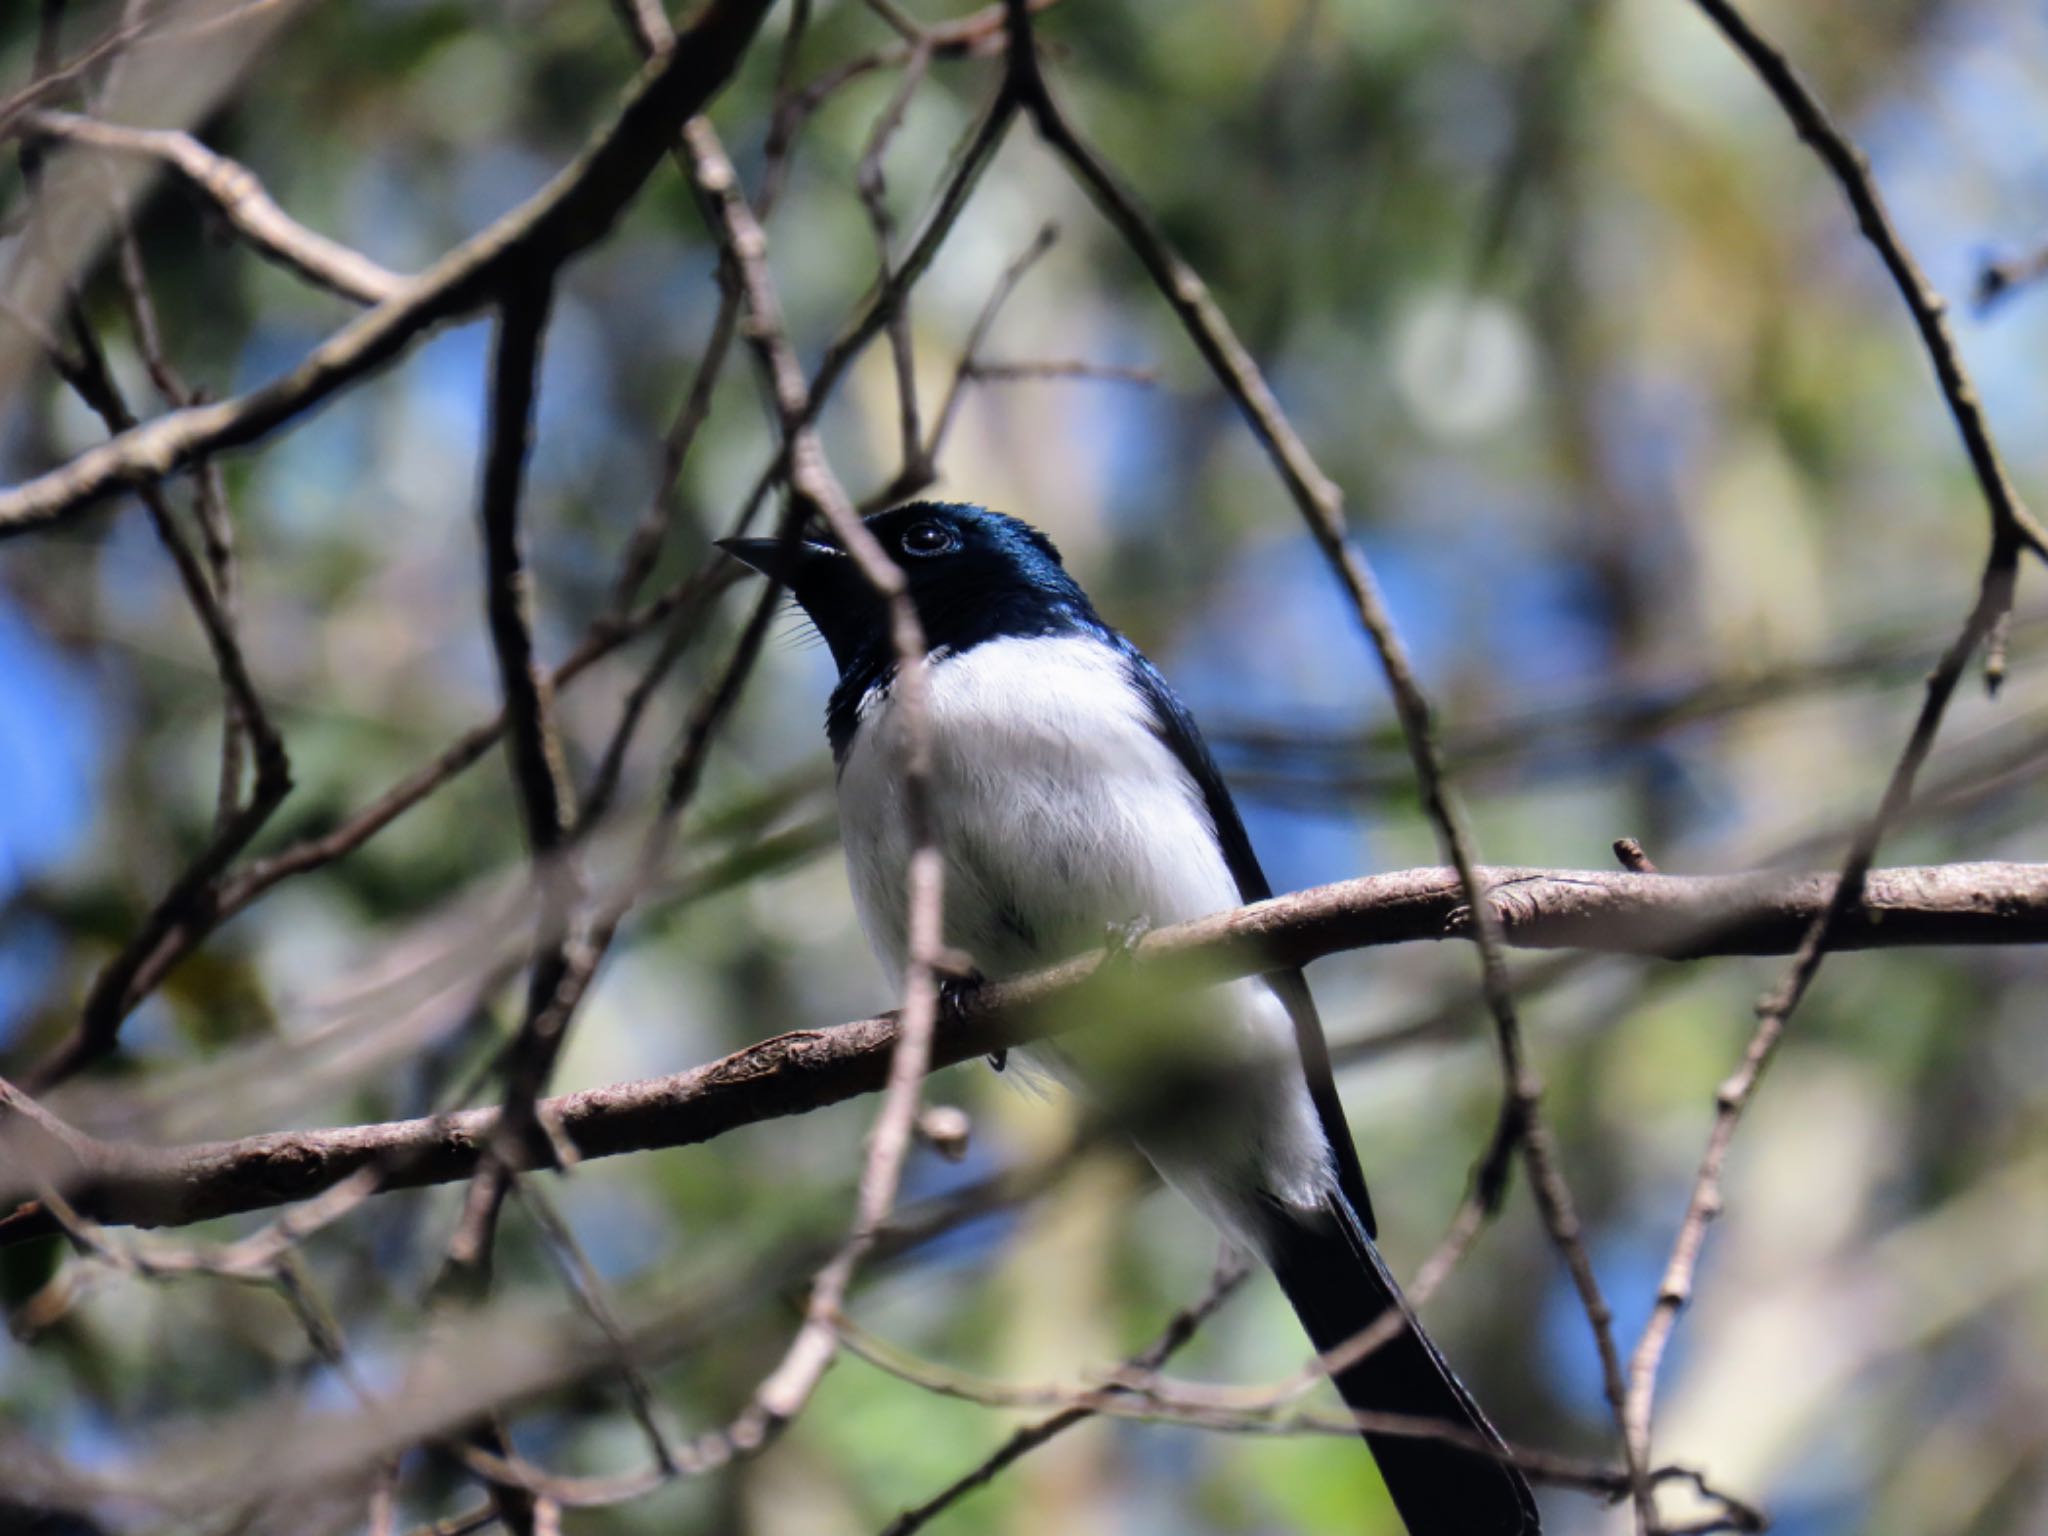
494 1361
1231 1273
50 79
583 1282
236 892
540 780
643 545
1150 1398
1303 761
263 1262
869 178
216 525
1063 368
978 149
782 1395
970 354
115 991
572 211
1851 169
684 626
976 35
534 747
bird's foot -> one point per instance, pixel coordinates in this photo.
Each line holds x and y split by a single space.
956 1000
956 993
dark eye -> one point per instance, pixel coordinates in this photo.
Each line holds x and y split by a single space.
926 539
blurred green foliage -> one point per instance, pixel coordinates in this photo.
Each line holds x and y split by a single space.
1621 405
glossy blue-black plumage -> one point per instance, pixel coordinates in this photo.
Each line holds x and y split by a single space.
1004 578
996 577
978 576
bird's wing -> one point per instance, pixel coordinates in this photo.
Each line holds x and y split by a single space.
1177 728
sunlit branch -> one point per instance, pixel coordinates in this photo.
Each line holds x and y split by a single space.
1617 912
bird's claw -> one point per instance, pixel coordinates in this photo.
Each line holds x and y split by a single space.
956 993
956 998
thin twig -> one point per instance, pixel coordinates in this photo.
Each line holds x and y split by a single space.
871 182
970 354
581 1277
1302 760
52 79
115 991
540 780
533 747
783 1394
643 545
1147 1397
1848 904
976 35
1851 169
210 496
1630 852
1231 1272
236 892
1063 368
533 744
575 209
975 153
684 626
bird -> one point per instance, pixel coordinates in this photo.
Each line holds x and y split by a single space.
1073 798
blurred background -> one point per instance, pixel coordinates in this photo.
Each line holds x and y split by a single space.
1641 443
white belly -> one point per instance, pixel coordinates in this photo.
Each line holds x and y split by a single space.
1060 813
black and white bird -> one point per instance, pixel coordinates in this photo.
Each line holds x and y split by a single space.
1072 795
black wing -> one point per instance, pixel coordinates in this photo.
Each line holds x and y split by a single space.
1177 728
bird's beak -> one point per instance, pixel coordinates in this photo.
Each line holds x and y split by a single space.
783 560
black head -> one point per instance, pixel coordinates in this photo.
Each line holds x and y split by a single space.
974 575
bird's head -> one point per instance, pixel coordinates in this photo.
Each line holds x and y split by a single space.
974 575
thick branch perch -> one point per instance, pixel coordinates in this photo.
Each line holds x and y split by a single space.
1671 915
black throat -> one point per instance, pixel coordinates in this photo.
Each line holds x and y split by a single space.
997 579
954 623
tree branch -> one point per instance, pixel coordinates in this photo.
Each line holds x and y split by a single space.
1851 169
241 199
1668 915
570 213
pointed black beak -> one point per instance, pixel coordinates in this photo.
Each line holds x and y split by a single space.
783 560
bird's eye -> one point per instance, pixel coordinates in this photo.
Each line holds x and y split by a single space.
927 539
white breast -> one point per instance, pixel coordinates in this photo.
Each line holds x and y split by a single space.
1059 809
1060 812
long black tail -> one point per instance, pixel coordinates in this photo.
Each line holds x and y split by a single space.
1339 1286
